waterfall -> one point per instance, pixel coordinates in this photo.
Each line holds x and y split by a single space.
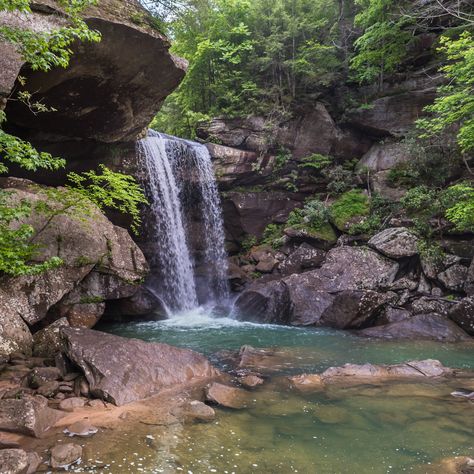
185 228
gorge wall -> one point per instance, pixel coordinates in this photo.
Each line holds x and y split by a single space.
104 101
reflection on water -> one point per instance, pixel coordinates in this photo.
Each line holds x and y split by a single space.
390 428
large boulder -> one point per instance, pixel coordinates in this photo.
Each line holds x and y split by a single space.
264 303
29 415
353 309
431 326
85 242
109 92
304 258
463 314
392 115
15 335
123 370
454 277
348 274
395 242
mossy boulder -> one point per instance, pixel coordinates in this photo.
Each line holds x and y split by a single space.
350 209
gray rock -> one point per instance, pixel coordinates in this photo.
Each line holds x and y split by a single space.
383 156
30 416
82 429
392 115
264 302
47 341
14 333
345 269
469 285
41 375
353 309
13 461
353 374
305 257
393 315
395 242
463 314
422 326
123 370
63 455
454 277
433 304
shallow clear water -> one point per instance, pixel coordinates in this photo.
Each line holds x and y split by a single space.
387 428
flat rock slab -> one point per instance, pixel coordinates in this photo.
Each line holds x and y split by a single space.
369 373
123 370
29 415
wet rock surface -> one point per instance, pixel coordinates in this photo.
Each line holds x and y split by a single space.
229 397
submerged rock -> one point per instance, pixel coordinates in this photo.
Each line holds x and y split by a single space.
81 429
123 370
229 397
63 455
422 326
195 411
353 373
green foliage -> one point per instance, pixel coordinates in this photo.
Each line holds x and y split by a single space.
111 190
273 236
454 106
316 161
459 203
380 211
430 251
249 57
43 50
249 242
17 251
91 300
282 158
313 219
350 205
340 179
383 43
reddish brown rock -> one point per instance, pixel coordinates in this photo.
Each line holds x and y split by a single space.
123 370
229 397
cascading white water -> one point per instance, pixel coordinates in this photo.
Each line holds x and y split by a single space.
180 179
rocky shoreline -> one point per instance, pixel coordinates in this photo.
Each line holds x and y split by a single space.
49 406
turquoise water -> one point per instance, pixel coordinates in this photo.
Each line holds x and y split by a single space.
314 349
382 428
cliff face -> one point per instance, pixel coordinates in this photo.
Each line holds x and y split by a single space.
104 101
111 89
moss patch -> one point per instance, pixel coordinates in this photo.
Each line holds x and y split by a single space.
350 207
